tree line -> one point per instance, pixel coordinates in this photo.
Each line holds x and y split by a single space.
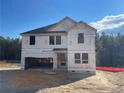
109 49
10 48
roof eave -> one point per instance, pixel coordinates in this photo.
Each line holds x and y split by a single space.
45 32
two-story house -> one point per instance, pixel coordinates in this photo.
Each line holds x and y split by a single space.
67 45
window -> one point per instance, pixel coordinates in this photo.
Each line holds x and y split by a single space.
77 58
58 40
51 40
81 38
66 26
32 40
84 57
54 40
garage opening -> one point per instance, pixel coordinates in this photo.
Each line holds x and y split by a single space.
31 62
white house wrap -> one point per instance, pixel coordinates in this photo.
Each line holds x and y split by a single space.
66 45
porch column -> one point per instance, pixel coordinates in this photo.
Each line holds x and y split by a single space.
55 62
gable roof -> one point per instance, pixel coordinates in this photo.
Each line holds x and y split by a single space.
88 25
68 18
85 24
45 29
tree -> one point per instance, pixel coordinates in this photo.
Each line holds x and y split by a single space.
110 50
10 48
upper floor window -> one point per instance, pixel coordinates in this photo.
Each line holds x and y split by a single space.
51 40
66 26
81 38
54 40
32 40
58 40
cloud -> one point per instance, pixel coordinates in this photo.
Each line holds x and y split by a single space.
110 23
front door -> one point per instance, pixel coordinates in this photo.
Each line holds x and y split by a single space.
62 60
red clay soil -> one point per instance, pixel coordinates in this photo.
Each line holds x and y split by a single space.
110 69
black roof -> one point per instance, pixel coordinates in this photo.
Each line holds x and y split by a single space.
43 30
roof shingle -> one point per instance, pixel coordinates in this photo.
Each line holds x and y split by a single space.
42 30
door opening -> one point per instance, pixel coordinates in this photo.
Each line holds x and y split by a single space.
61 60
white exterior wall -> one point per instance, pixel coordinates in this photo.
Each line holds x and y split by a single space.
87 47
41 47
69 41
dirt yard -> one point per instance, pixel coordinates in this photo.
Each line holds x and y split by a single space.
102 82
39 81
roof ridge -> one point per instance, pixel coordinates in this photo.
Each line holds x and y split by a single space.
67 17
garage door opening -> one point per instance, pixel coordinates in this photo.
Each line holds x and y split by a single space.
31 62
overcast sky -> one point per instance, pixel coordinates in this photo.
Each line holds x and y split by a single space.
17 16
